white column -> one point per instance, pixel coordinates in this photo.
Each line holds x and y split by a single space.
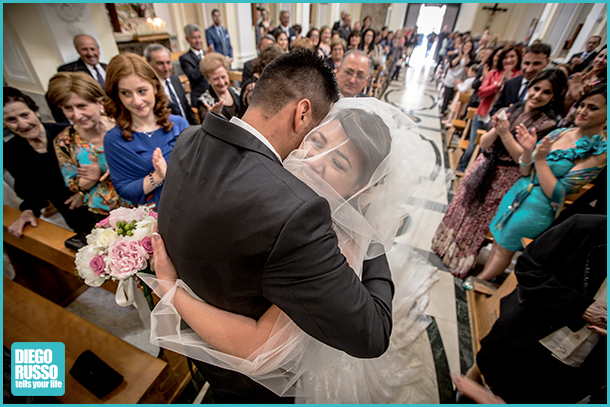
596 18
301 16
238 21
334 14
398 12
546 20
465 20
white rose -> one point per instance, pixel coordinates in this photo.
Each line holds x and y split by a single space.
101 237
144 228
82 260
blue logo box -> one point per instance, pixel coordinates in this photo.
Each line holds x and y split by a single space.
38 369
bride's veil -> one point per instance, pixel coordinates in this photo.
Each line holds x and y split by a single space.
369 161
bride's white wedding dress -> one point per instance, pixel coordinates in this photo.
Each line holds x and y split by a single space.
397 170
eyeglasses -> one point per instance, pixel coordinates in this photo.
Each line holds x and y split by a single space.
359 76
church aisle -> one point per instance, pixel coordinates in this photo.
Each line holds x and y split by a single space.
448 339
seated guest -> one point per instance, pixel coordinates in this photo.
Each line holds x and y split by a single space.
248 66
189 62
80 147
281 38
488 63
549 343
337 50
268 54
220 98
566 69
582 60
30 159
159 59
139 146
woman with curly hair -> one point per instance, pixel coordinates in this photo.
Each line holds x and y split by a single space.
138 148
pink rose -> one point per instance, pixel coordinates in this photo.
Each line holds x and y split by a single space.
153 214
104 223
126 257
98 265
146 243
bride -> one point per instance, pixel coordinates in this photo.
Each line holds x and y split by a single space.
368 161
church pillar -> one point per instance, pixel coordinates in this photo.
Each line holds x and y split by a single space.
238 20
301 16
397 12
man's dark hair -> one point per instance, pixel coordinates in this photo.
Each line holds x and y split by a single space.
213 11
294 76
539 48
596 36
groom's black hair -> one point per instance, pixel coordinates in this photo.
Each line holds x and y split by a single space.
298 75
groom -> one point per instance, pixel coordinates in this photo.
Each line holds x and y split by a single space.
244 233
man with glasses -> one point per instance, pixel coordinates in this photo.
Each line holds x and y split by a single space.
354 74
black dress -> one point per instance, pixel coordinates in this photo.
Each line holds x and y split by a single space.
38 179
559 273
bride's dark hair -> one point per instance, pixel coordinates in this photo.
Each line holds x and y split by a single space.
371 137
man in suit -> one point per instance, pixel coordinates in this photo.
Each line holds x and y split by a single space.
345 29
285 26
189 62
354 74
247 72
88 62
159 58
339 23
255 235
535 60
218 37
582 60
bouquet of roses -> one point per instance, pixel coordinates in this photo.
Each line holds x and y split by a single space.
117 248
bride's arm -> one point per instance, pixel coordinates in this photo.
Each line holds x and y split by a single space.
227 332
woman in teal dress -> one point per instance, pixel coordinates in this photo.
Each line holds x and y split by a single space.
559 165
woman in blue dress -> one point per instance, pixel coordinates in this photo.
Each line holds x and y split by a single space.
138 148
557 166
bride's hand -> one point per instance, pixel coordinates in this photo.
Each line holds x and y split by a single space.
164 268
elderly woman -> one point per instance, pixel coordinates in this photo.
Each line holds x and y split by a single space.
30 159
80 147
337 49
220 98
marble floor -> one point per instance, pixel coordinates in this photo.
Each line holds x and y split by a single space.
445 345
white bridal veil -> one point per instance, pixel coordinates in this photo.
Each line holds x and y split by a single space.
369 161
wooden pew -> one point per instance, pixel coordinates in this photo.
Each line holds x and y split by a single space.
42 262
484 306
29 317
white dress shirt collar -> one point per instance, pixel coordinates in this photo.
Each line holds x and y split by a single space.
255 133
91 69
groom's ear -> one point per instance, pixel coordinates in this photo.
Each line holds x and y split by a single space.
303 117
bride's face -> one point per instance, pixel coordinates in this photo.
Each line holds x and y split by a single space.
332 156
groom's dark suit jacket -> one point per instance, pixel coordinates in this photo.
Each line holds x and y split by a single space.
244 233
